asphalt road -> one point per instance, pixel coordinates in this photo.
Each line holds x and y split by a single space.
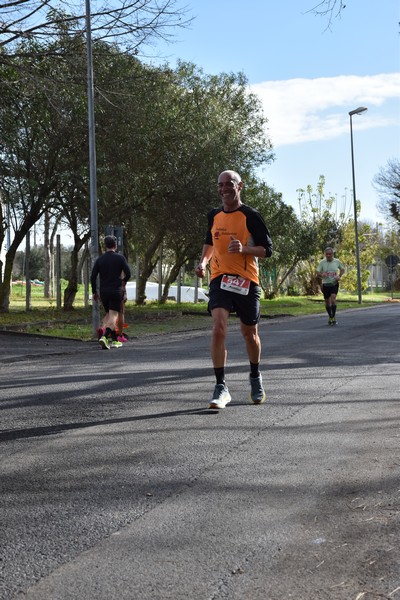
117 481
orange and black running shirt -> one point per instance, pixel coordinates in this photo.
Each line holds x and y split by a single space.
244 224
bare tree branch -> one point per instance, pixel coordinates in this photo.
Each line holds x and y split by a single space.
331 8
137 19
387 184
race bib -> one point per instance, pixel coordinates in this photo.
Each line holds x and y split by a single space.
233 283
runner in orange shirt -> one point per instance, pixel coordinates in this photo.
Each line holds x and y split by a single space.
236 238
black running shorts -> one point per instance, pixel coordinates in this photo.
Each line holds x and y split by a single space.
247 307
111 300
328 290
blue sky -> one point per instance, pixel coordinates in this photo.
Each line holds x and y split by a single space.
308 77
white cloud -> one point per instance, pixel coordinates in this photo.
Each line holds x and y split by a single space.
305 110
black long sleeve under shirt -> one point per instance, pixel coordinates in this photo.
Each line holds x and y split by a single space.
109 266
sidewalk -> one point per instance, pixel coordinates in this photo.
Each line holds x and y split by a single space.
16 346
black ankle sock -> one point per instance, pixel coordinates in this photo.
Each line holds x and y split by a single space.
254 369
329 310
219 374
108 332
333 307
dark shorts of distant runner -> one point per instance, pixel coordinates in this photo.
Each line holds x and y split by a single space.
111 300
328 290
247 307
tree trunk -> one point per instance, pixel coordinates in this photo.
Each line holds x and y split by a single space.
5 287
170 280
148 265
72 287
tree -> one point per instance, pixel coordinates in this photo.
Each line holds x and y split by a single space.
31 140
387 183
321 228
368 248
163 136
39 137
44 144
32 30
199 125
128 22
49 232
287 234
37 263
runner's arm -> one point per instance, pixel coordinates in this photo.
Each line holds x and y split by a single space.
205 258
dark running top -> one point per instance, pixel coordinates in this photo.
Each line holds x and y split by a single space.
113 269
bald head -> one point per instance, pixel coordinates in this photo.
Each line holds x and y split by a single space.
231 174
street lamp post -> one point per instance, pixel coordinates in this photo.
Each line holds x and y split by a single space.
356 111
94 235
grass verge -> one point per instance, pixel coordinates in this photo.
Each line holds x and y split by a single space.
153 318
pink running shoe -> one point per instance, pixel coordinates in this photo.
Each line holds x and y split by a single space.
122 338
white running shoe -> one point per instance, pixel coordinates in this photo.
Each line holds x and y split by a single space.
257 394
221 396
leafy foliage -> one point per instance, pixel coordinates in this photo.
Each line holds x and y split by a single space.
387 182
367 249
162 136
321 229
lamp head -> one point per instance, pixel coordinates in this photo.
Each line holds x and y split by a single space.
358 111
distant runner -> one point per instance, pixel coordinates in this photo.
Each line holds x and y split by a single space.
330 270
110 266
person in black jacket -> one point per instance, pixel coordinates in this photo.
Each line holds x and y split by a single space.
114 272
